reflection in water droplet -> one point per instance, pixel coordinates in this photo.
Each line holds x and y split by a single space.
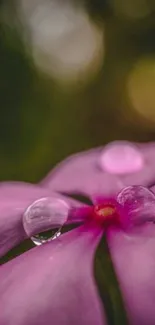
43 238
44 218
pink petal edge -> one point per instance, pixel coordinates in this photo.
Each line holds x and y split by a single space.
81 173
84 172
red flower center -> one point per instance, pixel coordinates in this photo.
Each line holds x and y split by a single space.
105 213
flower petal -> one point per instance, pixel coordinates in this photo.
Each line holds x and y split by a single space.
14 199
105 170
133 256
82 173
53 283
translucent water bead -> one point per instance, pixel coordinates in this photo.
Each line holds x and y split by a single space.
45 214
121 158
139 204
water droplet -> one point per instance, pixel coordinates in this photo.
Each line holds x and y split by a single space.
42 215
139 204
121 158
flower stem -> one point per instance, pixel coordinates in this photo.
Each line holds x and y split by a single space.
108 286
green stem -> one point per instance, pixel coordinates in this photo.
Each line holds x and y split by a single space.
108 286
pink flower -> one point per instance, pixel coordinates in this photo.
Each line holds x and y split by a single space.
58 282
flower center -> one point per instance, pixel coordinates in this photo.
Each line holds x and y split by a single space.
105 213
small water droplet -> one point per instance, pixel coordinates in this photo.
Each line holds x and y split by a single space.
44 218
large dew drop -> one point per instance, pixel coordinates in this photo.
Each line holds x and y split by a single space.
138 203
45 214
120 158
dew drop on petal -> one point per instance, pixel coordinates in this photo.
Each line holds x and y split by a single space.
138 203
44 218
121 158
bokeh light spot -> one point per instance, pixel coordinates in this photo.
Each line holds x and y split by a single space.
141 88
64 42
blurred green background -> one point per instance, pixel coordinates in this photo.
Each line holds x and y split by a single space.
73 75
